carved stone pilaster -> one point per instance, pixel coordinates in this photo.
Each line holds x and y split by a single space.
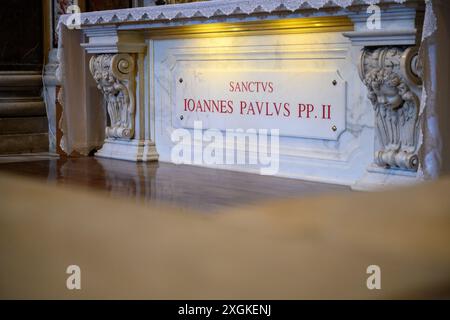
115 77
391 76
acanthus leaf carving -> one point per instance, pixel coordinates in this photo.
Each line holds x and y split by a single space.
114 75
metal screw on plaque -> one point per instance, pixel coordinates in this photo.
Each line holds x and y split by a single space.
334 128
334 82
181 117
181 80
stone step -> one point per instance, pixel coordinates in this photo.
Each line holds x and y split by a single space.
20 84
23 143
23 125
22 107
20 79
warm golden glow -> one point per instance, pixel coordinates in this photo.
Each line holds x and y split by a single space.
280 26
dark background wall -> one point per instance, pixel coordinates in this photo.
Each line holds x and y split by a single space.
97 5
21 35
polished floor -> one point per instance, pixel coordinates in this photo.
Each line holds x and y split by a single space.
180 185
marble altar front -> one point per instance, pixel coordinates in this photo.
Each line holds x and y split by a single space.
344 95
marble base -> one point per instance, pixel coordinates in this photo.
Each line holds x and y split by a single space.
377 178
131 150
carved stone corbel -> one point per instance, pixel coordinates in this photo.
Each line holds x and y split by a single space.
115 77
391 76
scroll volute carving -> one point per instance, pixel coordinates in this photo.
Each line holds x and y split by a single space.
391 76
115 77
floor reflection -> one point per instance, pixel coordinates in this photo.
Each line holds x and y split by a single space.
180 185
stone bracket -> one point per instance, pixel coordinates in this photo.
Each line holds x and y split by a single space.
117 66
114 74
391 75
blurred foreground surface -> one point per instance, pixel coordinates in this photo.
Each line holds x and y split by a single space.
312 248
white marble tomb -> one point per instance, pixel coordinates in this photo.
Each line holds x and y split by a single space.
345 98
